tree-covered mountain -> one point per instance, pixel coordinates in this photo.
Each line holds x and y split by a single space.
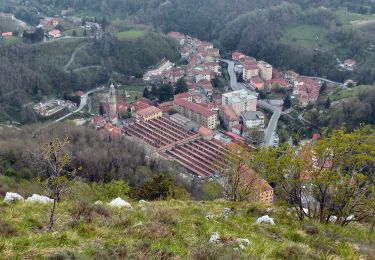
30 72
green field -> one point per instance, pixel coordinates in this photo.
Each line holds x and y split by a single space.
135 92
79 32
131 34
353 18
345 93
307 36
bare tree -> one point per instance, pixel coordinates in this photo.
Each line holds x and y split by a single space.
55 162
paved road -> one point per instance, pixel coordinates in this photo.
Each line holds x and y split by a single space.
60 39
82 104
272 125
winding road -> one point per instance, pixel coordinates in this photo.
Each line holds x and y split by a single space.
272 125
82 104
73 56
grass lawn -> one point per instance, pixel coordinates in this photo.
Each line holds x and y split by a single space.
307 36
131 34
345 93
134 91
79 32
353 18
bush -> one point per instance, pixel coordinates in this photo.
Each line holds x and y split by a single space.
86 211
310 228
111 190
161 187
256 210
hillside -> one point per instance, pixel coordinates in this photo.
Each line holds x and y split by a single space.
173 230
31 73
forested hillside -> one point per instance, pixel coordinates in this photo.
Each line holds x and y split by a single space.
303 35
31 72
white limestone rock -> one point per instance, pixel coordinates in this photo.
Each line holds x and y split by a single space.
332 219
265 219
227 211
98 202
12 197
120 203
39 199
215 238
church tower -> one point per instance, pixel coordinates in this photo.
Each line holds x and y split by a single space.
113 117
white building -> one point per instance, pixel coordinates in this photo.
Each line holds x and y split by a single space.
265 70
252 119
240 100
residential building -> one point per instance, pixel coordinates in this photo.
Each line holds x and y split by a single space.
291 76
207 134
196 113
240 100
165 107
349 64
236 56
249 71
237 129
252 119
206 87
228 117
257 82
55 33
265 70
149 113
7 34
186 95
262 192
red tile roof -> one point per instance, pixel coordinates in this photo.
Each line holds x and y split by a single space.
194 107
184 95
148 111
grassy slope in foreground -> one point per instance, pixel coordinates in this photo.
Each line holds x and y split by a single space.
173 229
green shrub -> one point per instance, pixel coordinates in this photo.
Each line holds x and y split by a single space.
310 228
111 190
256 210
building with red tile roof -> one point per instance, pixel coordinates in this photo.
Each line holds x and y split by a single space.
206 133
196 113
186 95
149 113
262 192
228 117
7 34
55 33
257 82
166 106
236 56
